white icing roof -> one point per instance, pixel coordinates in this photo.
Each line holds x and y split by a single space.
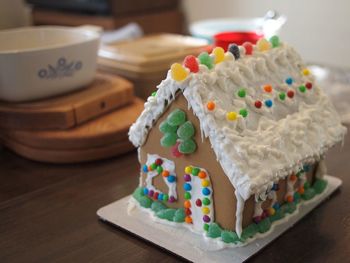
269 143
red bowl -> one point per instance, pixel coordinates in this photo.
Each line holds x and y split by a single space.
226 38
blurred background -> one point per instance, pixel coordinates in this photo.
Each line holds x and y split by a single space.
319 30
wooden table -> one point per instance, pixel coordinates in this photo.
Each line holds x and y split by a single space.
48 214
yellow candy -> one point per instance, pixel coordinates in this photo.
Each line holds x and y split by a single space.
219 54
178 72
231 116
306 72
205 183
188 169
205 210
263 44
271 211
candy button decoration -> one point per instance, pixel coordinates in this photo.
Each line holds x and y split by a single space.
302 88
165 173
263 44
171 178
187 204
187 187
275 41
231 116
191 63
178 72
211 105
205 210
187 178
188 169
282 96
202 174
234 49
267 88
205 183
289 81
248 48
206 60
308 85
241 93
206 191
145 168
187 195
305 72
290 94
198 202
206 219
206 201
219 54
243 113
258 104
268 103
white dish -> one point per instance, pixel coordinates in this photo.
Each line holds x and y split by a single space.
39 62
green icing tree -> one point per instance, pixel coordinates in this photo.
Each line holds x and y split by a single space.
176 129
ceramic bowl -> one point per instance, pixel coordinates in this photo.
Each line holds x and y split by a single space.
39 62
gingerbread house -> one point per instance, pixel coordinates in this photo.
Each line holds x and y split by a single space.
232 141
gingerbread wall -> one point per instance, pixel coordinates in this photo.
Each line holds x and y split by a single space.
204 157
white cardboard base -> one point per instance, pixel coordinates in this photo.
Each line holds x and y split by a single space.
187 244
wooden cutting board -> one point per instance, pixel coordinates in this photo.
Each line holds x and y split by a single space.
106 93
68 156
111 128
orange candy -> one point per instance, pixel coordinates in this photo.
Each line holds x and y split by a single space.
187 204
301 190
268 88
150 168
293 177
165 173
202 175
188 219
289 199
211 105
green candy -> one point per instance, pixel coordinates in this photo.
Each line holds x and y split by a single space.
249 231
179 215
167 214
241 93
165 197
187 146
176 117
308 194
157 206
206 201
159 169
319 186
279 214
164 127
229 237
297 197
282 96
289 207
145 201
302 88
205 227
154 93
205 59
306 185
169 139
243 112
153 166
214 230
187 196
264 225
275 41
186 131
195 171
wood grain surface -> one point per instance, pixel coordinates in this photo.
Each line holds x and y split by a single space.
48 214
109 128
106 93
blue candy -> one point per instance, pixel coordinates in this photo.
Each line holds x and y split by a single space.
206 191
268 103
171 178
145 169
145 191
160 197
187 187
289 81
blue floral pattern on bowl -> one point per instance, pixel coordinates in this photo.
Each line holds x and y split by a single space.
60 70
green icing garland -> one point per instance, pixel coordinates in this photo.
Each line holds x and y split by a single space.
214 230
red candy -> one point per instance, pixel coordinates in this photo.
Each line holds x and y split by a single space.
198 202
191 63
290 94
248 48
175 150
258 104
308 85
159 161
156 195
188 211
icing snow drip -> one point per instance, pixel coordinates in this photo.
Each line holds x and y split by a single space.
260 135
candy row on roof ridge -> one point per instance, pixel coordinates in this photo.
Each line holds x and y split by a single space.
190 64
